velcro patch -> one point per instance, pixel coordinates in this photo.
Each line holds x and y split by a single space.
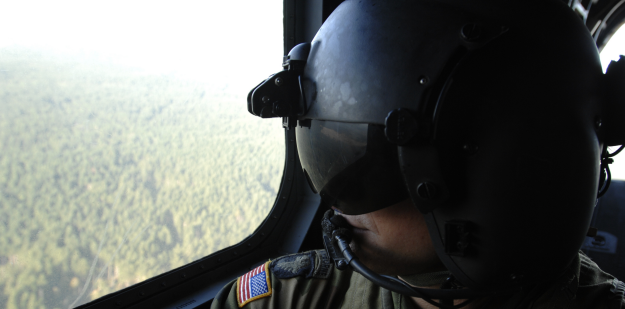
254 285
323 265
293 265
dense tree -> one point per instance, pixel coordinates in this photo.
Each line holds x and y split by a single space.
109 176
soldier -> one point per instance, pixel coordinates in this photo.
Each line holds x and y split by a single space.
462 145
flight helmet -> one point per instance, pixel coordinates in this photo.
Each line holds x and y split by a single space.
493 117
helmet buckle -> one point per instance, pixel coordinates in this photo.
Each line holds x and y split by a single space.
402 126
457 238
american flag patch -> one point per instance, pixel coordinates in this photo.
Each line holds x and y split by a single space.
254 285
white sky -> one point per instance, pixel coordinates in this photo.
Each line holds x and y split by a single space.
614 48
201 39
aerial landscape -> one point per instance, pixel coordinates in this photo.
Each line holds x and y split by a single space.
110 175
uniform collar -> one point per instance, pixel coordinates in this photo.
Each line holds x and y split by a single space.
553 295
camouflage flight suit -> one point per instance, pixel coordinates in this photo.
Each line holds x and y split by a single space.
309 280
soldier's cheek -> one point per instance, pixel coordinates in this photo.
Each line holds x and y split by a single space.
360 238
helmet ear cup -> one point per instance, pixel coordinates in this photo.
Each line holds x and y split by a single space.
613 124
499 132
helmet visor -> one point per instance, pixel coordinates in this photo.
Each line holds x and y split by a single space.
351 165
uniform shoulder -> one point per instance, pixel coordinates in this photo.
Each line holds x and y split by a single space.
311 264
598 287
284 283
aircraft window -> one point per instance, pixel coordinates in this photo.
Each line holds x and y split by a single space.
126 145
612 50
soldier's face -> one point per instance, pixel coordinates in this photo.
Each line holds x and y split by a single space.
394 241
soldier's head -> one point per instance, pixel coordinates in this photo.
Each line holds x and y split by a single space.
490 119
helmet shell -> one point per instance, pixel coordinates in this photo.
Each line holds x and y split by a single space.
512 106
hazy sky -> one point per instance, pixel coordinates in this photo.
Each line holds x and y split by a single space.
203 39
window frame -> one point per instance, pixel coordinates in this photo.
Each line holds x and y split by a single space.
604 18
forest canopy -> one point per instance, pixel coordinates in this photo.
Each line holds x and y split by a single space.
110 176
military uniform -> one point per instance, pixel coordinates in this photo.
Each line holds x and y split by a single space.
309 280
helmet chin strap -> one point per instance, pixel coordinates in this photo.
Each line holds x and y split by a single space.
337 236
427 279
